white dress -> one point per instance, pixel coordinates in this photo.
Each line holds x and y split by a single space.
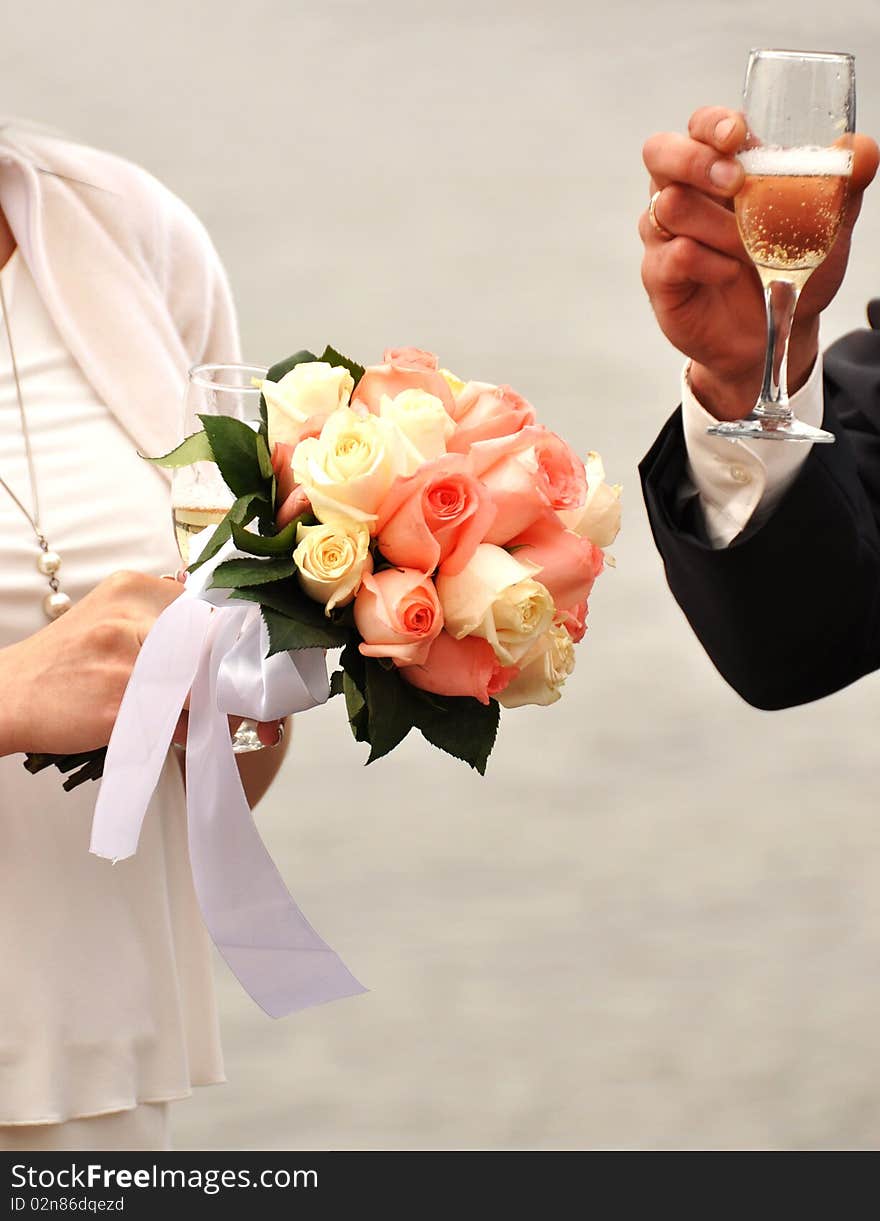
106 992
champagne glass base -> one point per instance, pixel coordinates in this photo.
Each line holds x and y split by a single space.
761 428
245 738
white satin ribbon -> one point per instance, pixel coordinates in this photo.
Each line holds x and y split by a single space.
213 647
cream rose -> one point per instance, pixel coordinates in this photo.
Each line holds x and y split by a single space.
332 559
496 596
455 384
541 679
310 389
423 423
599 517
348 469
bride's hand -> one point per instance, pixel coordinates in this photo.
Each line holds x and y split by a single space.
60 688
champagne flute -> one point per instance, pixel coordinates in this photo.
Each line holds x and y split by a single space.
199 496
800 112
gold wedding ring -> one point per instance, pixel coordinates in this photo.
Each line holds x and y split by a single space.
652 217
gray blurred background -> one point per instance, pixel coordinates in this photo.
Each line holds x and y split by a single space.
656 923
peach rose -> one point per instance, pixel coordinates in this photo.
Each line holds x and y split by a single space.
568 564
599 516
483 411
290 499
508 468
402 369
496 596
562 473
461 667
435 518
398 615
282 452
410 358
292 506
574 620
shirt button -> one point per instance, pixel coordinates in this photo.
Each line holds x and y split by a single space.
739 474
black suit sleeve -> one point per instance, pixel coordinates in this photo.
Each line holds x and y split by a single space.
790 611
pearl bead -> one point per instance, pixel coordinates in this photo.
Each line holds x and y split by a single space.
48 562
55 604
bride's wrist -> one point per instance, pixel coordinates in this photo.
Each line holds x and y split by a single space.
10 718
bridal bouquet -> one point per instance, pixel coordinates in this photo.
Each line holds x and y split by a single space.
428 527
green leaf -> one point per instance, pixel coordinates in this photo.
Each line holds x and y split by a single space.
287 633
337 681
460 726
242 512
265 460
354 685
281 543
389 709
196 448
287 598
303 357
356 708
235 573
234 446
332 357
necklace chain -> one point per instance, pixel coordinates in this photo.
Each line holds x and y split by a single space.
35 519
55 603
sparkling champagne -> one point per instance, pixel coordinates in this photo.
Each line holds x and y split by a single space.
790 208
189 520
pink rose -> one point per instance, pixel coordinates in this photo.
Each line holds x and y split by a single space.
568 563
508 469
563 475
402 369
410 358
461 667
435 518
289 497
292 507
483 411
574 620
397 612
282 452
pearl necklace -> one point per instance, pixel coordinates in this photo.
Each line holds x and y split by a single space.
56 602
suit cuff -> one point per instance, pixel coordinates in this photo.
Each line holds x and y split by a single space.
741 482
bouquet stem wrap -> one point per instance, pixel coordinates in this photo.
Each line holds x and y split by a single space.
212 647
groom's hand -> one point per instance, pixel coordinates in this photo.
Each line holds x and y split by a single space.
703 288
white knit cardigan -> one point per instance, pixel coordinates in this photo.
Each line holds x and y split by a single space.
127 273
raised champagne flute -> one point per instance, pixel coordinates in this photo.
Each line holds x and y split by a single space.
199 496
800 109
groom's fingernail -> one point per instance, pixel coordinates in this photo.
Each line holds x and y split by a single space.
724 129
724 174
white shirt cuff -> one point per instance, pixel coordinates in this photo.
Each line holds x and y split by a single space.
738 481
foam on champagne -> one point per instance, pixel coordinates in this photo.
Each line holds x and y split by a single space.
805 162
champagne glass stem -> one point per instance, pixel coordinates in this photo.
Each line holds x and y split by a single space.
781 298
